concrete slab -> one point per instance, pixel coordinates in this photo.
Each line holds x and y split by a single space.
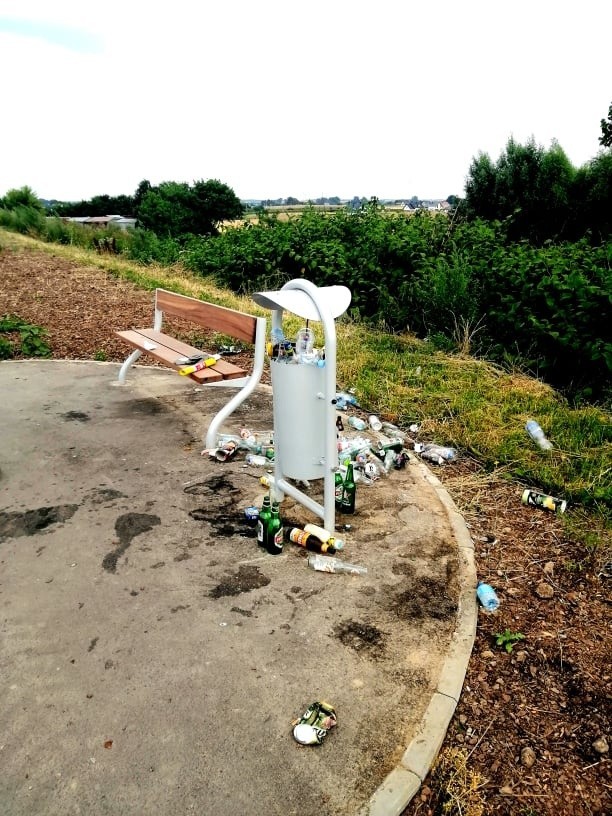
153 658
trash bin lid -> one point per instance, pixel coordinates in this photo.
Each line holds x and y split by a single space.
337 299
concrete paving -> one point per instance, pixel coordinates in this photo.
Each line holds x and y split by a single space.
153 658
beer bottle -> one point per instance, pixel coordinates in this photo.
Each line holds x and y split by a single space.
311 542
264 519
274 535
338 485
348 490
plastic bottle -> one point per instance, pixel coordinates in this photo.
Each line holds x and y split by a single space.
311 542
327 563
435 453
537 434
324 535
274 533
487 597
256 459
357 423
304 344
264 518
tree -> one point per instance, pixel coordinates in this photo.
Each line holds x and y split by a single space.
528 187
22 197
175 209
605 140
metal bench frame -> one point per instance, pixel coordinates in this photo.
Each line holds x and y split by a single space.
165 349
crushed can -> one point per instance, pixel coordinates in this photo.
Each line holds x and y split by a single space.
315 722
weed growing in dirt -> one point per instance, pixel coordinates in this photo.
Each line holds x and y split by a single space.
508 639
24 339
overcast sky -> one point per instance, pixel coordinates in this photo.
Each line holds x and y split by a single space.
278 98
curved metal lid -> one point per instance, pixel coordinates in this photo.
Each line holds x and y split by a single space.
336 298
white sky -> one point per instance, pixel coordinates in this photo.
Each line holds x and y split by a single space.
280 98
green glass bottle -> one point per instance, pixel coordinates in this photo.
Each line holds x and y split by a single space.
348 490
274 534
338 485
264 520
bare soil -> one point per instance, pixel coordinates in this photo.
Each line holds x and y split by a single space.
535 721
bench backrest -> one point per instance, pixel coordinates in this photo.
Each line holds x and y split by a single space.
218 318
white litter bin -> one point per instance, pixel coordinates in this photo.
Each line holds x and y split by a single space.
300 416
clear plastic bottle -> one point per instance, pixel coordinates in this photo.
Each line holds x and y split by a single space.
304 344
487 596
327 563
537 434
435 453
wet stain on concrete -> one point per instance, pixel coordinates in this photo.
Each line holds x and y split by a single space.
100 495
75 416
179 608
360 636
245 579
217 485
147 406
31 522
426 597
127 527
92 644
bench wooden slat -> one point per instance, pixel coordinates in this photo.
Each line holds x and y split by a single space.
228 371
166 352
218 318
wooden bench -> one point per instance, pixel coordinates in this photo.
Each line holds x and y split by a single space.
167 349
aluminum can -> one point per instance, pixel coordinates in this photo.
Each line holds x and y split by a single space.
534 499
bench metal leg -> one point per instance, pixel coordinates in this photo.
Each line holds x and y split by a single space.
128 363
248 388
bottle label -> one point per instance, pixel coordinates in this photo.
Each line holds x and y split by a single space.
299 536
278 539
260 532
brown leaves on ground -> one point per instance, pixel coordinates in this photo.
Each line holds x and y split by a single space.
534 723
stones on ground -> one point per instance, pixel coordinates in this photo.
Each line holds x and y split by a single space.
600 746
487 655
528 757
549 568
544 590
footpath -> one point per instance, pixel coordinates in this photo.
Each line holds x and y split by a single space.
154 658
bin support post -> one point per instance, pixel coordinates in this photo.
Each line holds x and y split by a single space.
328 511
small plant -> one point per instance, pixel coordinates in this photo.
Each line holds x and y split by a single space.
100 356
31 343
508 639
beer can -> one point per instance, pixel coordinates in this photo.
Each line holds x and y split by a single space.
533 498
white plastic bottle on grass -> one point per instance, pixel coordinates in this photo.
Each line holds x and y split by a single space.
537 434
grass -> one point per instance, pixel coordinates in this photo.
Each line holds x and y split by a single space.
457 400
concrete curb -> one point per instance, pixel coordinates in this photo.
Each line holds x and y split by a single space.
404 781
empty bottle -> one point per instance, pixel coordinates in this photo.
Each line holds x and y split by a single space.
435 453
487 597
357 423
304 344
274 533
347 503
327 563
311 542
324 535
375 423
264 518
537 434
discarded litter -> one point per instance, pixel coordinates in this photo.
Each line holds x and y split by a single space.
487 596
256 459
328 563
357 423
534 499
251 514
324 536
375 423
183 361
308 540
435 453
537 434
314 724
